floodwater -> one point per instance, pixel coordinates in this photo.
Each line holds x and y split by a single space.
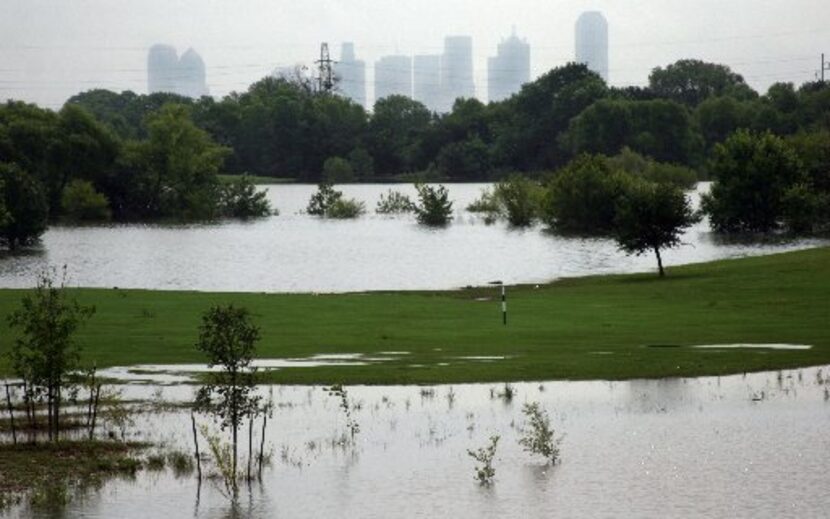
740 446
294 252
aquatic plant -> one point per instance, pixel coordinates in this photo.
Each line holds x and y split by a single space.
485 472
538 435
351 424
394 202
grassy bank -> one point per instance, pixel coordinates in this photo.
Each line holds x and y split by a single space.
259 180
610 327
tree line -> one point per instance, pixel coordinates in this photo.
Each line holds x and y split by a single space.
148 157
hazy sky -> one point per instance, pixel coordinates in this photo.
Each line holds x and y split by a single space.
51 49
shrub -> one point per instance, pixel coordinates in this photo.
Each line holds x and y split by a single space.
322 199
485 473
240 199
434 208
362 163
520 199
485 203
81 202
539 437
804 210
343 208
394 202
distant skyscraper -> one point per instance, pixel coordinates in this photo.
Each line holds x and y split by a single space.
351 74
167 73
393 76
427 81
191 75
592 42
162 69
509 69
457 70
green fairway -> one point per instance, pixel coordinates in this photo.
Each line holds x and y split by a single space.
609 327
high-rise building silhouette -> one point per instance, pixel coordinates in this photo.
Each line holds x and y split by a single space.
162 69
393 76
167 73
350 75
592 42
427 80
456 70
191 75
509 69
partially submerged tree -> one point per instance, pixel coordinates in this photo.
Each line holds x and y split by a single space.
652 217
46 353
434 208
26 207
539 436
228 338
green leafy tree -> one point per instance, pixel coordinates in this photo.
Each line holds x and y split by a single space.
174 171
362 163
45 353
26 207
395 131
582 196
241 199
228 339
81 202
651 218
434 208
751 174
337 170
691 81
465 160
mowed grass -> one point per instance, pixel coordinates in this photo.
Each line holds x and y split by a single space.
609 327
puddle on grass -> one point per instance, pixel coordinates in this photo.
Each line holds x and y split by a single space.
739 446
754 346
184 373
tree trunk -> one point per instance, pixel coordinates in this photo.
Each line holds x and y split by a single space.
11 413
659 261
250 445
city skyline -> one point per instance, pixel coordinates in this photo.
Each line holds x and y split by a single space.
50 51
167 72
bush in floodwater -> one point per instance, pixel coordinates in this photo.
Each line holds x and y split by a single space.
321 200
485 473
538 435
344 208
394 202
520 199
181 463
434 208
223 458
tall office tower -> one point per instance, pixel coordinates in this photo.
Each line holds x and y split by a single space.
427 81
457 70
393 76
190 81
167 73
509 69
350 75
592 42
162 69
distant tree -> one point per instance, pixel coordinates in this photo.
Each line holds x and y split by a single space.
45 353
434 207
651 217
26 207
337 170
228 339
527 136
646 168
362 163
395 130
322 199
81 202
241 199
690 82
720 117
658 128
751 173
465 160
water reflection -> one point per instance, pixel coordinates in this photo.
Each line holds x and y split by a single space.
298 253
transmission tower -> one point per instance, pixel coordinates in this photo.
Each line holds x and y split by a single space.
825 66
326 69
